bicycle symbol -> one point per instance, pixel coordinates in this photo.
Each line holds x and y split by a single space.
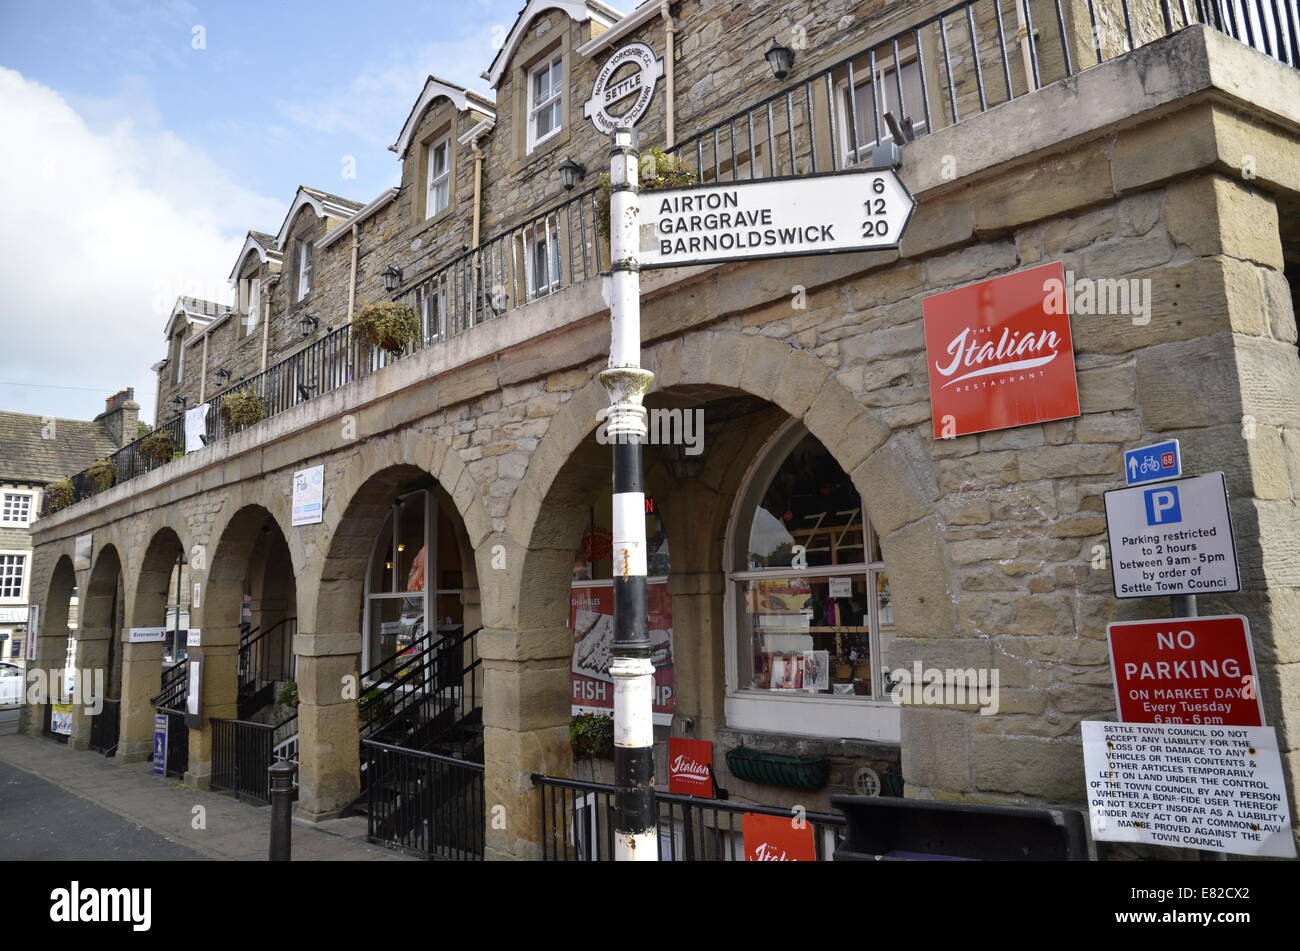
1149 464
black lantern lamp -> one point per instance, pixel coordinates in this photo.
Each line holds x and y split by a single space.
222 376
308 325
571 173
177 404
392 278
780 58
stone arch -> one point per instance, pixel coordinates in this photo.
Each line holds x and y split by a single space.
52 639
99 653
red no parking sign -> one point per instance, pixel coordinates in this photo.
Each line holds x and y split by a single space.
1185 670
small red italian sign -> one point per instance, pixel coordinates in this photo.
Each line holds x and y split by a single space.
690 767
777 839
1198 671
1000 354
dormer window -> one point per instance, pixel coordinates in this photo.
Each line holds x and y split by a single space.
545 101
439 177
251 293
306 249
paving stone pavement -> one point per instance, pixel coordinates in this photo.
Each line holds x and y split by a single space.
93 808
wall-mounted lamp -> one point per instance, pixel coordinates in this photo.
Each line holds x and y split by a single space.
392 278
308 325
571 173
222 376
177 404
780 58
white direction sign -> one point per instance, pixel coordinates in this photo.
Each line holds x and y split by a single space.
737 221
1172 539
1200 787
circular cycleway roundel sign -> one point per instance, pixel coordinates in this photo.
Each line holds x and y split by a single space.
639 81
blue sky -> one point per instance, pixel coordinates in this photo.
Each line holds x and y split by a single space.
145 137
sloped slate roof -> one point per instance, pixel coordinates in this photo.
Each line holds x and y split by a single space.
26 456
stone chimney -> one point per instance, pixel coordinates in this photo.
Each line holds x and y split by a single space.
121 416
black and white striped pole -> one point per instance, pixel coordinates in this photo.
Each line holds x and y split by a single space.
630 668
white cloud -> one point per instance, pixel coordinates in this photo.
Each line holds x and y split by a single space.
103 229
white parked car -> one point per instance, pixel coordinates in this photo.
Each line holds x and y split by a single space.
11 684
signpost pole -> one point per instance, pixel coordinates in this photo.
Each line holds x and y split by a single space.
625 426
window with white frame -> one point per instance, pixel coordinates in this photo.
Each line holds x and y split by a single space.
808 597
438 191
252 294
17 508
862 116
545 101
542 258
13 576
306 251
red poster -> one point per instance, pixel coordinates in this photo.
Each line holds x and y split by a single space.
776 839
1000 354
689 767
591 618
1185 670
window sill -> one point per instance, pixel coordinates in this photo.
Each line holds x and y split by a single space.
859 718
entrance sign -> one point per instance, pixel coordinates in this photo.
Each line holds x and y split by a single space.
740 221
1185 670
308 495
1000 354
1215 788
640 82
1154 463
160 721
1172 539
690 767
777 839
146 635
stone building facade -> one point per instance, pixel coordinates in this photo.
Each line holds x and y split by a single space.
1174 163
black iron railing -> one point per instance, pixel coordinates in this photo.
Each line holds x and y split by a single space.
954 64
424 803
105 728
175 683
266 658
577 824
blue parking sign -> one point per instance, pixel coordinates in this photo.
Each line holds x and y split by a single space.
1154 463
1162 505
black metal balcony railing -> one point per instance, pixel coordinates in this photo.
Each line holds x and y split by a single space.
931 73
577 824
424 803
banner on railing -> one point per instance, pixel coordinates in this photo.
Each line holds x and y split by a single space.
196 427
591 618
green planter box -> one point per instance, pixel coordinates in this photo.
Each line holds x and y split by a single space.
778 769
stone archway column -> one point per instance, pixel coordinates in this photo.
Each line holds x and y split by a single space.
51 657
525 730
329 746
698 651
219 655
92 655
141 681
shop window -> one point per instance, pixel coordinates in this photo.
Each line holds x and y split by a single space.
409 593
545 101
861 114
809 596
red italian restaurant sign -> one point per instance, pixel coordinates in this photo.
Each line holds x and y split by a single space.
1000 354
776 839
1196 671
689 763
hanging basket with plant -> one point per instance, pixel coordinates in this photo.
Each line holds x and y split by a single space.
102 474
159 446
388 325
592 734
242 409
656 170
59 495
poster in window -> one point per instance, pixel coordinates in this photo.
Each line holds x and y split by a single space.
777 839
591 618
1000 354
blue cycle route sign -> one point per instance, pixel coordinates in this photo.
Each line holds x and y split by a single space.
1153 463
